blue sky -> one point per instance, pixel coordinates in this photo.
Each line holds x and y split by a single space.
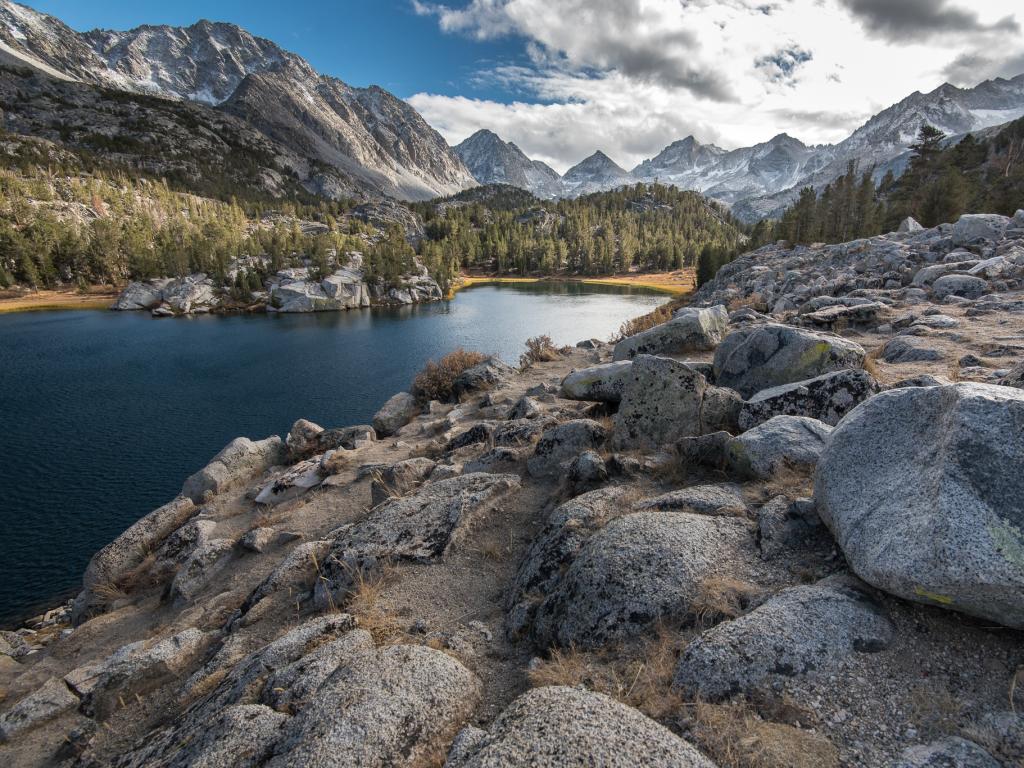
563 78
363 42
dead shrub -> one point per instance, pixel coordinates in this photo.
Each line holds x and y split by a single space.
540 349
734 736
437 379
655 317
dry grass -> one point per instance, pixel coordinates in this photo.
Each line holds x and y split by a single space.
540 349
645 322
754 301
437 379
793 482
205 686
365 603
935 712
722 597
495 547
871 361
734 736
639 675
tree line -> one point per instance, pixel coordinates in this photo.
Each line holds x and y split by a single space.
646 227
68 220
940 184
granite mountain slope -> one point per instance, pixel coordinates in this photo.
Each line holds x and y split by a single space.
377 140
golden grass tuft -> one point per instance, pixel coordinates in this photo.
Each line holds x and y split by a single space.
722 597
639 675
791 481
437 379
734 736
364 602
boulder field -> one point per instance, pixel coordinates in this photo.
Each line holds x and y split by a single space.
782 529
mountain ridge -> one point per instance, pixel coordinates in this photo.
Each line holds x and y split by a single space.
760 180
377 140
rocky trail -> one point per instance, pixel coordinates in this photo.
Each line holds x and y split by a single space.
782 529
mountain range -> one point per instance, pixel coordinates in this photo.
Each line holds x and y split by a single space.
761 180
214 106
368 139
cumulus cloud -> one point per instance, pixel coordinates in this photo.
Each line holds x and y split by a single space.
921 19
631 76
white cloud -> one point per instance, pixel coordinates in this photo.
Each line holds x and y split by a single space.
630 76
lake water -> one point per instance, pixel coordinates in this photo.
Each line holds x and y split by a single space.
104 414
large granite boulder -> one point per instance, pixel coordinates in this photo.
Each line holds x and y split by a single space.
965 286
1015 377
321 694
782 442
302 296
134 670
972 227
419 528
691 329
762 356
294 482
801 631
238 460
950 752
395 706
910 349
826 398
51 699
141 295
919 488
492 373
564 533
637 570
600 383
346 287
559 727
909 225
190 294
398 411
700 500
303 439
661 403
559 445
127 551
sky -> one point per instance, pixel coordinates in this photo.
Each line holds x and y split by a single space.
562 78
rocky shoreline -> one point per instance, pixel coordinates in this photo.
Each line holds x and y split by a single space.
781 529
286 291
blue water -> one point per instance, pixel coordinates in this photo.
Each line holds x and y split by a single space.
104 414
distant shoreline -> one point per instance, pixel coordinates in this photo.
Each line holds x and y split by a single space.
675 283
38 301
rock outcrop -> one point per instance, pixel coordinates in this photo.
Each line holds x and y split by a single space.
560 726
917 486
690 330
801 631
759 357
